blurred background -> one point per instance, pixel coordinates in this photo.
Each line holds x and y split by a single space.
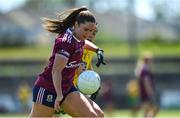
127 29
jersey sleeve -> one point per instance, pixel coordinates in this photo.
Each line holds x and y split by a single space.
64 46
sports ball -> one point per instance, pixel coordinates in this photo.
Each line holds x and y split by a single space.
88 82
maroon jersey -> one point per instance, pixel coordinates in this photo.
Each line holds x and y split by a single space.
145 74
67 45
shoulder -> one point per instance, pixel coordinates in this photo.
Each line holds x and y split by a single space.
65 37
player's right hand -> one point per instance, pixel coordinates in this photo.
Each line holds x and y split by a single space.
100 57
57 103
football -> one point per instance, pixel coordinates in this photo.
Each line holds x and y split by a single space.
88 82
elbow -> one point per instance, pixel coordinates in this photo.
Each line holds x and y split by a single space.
54 72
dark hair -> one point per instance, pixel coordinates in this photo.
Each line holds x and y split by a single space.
67 19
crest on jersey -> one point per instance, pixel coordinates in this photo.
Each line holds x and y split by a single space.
49 98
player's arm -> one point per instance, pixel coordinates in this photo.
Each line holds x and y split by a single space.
90 67
59 64
90 46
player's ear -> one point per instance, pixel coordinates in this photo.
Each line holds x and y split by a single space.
76 24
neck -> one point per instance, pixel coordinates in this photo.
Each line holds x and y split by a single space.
75 37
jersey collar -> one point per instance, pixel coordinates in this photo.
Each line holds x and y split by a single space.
76 39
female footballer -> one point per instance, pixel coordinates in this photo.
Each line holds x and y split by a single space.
54 88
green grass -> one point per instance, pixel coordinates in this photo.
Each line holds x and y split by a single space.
157 49
118 113
161 49
30 52
161 114
120 49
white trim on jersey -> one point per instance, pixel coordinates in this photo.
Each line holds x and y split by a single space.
76 39
70 31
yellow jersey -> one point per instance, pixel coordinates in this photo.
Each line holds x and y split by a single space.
86 59
133 88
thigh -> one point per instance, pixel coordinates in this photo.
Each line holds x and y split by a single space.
77 105
39 110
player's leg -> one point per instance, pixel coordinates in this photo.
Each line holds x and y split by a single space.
156 109
96 108
148 110
153 109
145 108
135 106
42 103
39 110
76 105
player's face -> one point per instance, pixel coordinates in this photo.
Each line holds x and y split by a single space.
92 36
83 31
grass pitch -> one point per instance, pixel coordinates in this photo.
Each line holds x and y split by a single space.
172 113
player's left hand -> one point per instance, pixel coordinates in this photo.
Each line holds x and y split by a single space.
94 95
79 70
100 57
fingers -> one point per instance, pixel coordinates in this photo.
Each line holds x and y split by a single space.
57 103
103 63
57 106
79 70
99 63
100 57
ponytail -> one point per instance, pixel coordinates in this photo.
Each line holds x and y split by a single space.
66 20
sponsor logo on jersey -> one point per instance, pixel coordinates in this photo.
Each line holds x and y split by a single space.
74 64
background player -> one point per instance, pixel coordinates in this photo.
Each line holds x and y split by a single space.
133 96
87 58
146 85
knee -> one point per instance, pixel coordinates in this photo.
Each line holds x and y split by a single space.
100 113
93 114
